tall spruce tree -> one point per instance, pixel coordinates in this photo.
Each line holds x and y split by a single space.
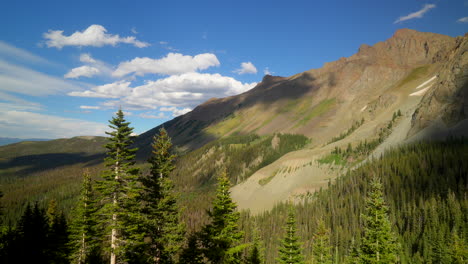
290 251
57 238
192 253
83 232
161 214
33 230
220 239
255 255
119 189
321 248
378 245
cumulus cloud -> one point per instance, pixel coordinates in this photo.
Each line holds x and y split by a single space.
246 68
183 91
175 111
417 14
94 35
463 20
83 71
93 67
267 71
111 90
24 124
89 107
173 63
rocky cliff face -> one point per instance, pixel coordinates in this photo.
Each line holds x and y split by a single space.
448 99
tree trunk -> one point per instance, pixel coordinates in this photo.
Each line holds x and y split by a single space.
113 257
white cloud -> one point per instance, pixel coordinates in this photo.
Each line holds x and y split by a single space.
111 90
19 79
463 20
173 63
25 124
89 107
94 35
104 68
417 14
175 111
267 71
134 31
10 102
7 50
186 91
86 58
246 67
152 116
85 71
163 42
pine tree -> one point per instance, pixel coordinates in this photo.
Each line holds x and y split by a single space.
458 249
161 214
255 256
192 254
321 245
353 253
57 251
33 229
290 251
220 239
378 244
119 189
83 233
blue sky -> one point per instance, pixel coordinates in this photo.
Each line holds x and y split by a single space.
66 66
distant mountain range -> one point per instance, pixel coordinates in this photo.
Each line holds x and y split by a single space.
7 140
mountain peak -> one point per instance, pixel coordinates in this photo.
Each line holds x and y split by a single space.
405 33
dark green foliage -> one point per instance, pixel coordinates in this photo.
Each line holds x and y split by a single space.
256 254
41 171
220 239
321 245
378 244
458 250
425 187
119 190
160 224
33 231
192 253
83 233
57 237
290 251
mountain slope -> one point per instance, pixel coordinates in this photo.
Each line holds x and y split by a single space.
318 103
421 75
7 141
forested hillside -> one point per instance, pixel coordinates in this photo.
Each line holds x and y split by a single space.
409 206
425 186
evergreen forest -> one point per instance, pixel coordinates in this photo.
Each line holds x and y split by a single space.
408 206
